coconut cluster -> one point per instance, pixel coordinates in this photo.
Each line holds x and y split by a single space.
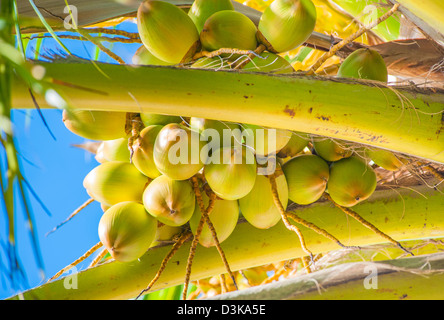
145 183
172 36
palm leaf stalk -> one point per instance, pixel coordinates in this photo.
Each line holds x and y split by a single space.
405 214
401 119
397 279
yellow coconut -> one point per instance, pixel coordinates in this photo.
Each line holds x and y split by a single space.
231 174
167 31
228 29
201 10
170 201
143 158
179 152
224 217
258 206
127 231
265 141
331 149
115 181
95 125
286 24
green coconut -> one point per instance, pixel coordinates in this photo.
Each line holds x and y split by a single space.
127 231
286 24
150 119
331 149
258 206
265 141
167 31
307 177
201 10
232 173
113 150
228 29
217 133
170 201
143 158
115 181
297 143
384 158
351 181
224 217
364 63
95 125
144 57
179 152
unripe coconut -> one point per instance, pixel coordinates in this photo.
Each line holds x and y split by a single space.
286 24
271 63
297 143
364 63
167 31
115 181
179 152
127 231
144 57
165 234
217 133
201 10
224 217
258 206
113 150
95 125
217 62
331 149
170 201
143 158
307 177
150 119
265 141
351 181
384 158
228 29
234 175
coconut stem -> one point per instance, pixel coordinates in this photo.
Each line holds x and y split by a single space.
205 219
349 39
83 206
367 224
83 257
133 126
284 217
318 230
184 237
218 52
261 48
98 258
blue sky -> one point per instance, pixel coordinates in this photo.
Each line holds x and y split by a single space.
55 170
